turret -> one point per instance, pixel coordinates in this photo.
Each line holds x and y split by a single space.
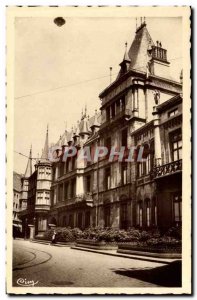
25 181
44 178
125 62
84 131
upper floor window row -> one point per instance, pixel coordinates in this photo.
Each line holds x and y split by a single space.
115 108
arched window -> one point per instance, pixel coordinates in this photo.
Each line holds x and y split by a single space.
177 208
154 215
140 214
152 155
148 212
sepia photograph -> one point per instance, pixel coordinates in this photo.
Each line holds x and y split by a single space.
98 150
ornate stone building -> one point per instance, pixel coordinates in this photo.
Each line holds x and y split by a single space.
142 107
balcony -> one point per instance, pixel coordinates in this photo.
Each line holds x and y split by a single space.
126 113
168 169
86 197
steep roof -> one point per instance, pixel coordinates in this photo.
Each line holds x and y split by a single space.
17 181
95 121
138 50
28 171
46 147
83 126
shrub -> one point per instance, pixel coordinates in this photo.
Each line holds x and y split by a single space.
175 232
111 235
63 234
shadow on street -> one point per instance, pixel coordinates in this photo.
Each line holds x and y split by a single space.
167 276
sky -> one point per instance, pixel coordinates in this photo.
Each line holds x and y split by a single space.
74 57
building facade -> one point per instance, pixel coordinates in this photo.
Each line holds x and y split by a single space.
141 108
16 202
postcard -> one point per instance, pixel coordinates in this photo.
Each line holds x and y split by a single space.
98 150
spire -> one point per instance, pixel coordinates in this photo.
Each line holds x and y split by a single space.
46 147
125 63
126 57
28 170
76 132
70 136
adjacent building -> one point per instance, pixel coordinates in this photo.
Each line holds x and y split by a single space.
17 202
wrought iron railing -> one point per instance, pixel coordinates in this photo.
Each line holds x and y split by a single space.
167 169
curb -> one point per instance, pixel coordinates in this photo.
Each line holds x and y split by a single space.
130 256
107 252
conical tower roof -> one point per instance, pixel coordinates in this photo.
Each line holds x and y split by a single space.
77 130
64 139
46 147
28 171
84 126
94 120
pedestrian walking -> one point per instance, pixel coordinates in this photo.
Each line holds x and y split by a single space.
53 240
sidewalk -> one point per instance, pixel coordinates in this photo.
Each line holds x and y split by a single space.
109 252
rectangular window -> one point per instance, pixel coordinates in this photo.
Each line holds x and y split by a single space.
73 188
107 178
73 162
148 216
61 169
107 113
113 110
139 214
123 216
71 221
88 184
66 191
176 145
124 137
67 165
107 216
87 219
177 208
107 144
122 103
124 173
173 112
79 220
117 106
60 192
